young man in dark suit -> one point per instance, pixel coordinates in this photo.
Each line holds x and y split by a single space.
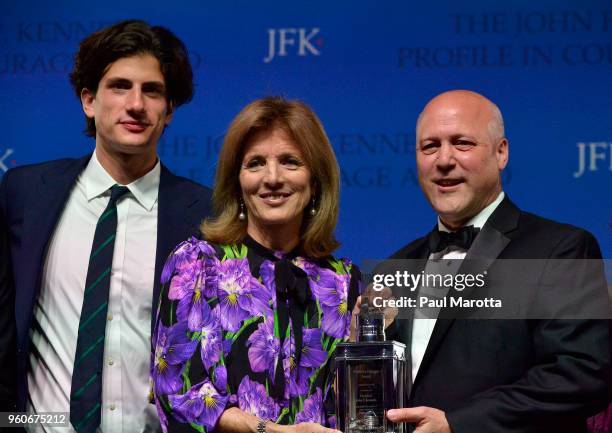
89 236
492 376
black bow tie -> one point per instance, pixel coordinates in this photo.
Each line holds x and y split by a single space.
462 238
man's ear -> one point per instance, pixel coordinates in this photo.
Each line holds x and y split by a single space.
87 101
502 153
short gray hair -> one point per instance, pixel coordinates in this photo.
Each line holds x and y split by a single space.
496 124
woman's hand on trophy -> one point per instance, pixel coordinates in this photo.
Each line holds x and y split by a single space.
377 300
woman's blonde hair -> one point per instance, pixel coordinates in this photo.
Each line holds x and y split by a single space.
300 123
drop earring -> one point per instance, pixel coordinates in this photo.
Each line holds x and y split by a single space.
313 209
241 215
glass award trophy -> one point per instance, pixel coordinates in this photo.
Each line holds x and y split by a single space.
370 378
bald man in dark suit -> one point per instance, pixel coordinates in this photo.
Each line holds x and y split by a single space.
491 376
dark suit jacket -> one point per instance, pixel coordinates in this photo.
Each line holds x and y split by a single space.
32 199
8 349
514 375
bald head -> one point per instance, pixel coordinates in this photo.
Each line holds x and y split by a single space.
467 98
461 152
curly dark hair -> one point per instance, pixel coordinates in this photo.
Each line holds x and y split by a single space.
126 39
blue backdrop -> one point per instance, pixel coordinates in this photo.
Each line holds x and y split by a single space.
367 68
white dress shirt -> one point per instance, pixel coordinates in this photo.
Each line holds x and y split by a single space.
422 328
125 378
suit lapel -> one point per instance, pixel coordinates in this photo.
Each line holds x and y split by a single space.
492 239
487 246
42 211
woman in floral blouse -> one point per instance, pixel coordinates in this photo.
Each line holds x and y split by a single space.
249 317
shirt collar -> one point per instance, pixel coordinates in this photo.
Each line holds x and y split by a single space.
145 189
479 219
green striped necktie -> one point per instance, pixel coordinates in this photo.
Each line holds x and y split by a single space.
86 391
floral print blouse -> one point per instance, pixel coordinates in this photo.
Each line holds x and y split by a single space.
244 326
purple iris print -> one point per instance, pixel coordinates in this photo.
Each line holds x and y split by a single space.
210 337
211 282
184 255
252 399
331 290
312 357
336 320
313 409
220 377
264 348
313 354
296 378
266 271
192 306
184 282
163 420
310 268
172 349
240 294
201 405
227 346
